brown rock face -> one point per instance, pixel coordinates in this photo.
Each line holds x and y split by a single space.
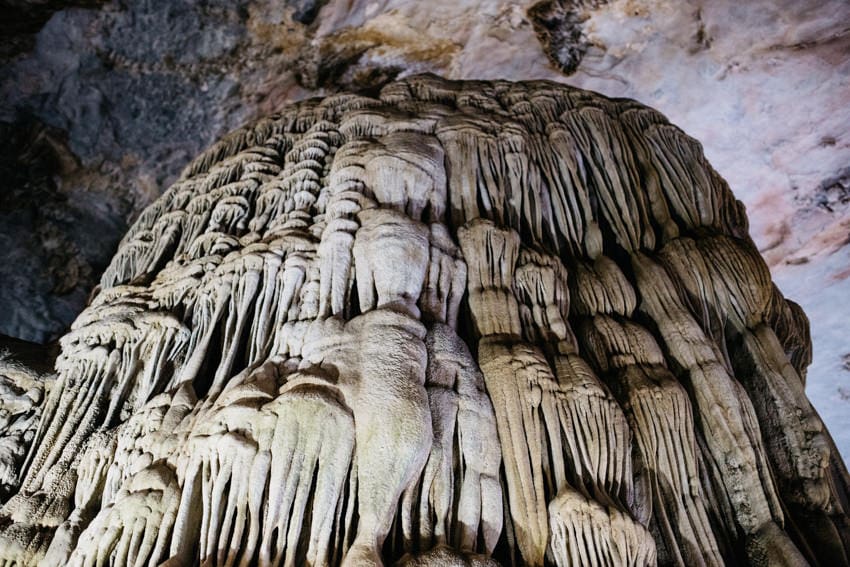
459 323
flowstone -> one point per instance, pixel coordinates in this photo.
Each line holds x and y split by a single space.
460 323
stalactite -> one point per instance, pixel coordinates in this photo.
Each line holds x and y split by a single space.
661 417
586 533
456 323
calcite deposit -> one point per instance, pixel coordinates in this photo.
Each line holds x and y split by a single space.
25 377
454 323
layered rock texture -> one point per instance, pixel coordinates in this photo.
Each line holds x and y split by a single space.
453 323
26 374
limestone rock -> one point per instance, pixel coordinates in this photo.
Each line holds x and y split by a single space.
26 376
454 323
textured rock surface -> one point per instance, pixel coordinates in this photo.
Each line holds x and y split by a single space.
26 374
455 323
105 102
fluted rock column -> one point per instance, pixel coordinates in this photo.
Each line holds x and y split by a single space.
456 323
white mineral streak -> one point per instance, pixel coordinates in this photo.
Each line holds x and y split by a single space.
472 323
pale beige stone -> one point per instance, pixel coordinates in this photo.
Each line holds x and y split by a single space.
459 323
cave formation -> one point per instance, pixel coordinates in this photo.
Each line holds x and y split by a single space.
457 323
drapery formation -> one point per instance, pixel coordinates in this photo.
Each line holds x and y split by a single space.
460 323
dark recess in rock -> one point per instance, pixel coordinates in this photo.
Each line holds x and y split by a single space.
337 67
701 38
834 192
32 355
53 243
305 11
558 25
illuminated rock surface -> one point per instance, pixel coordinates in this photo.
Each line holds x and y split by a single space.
451 324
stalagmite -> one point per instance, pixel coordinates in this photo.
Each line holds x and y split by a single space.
456 323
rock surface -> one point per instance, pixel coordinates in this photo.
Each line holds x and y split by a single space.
453 323
104 102
26 375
